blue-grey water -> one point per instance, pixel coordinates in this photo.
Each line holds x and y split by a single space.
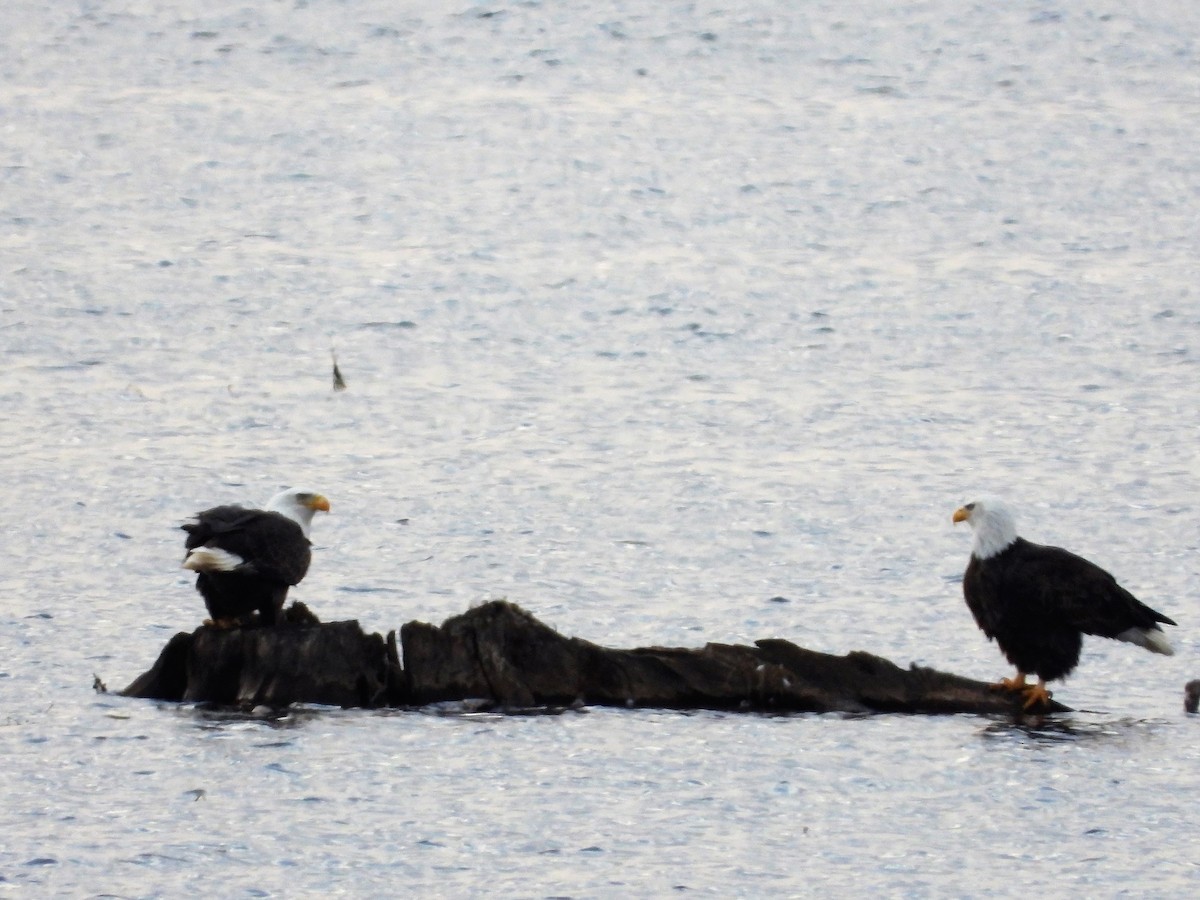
649 313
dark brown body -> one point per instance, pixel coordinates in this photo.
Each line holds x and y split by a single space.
276 555
1037 602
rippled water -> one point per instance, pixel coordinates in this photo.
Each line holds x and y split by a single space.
649 313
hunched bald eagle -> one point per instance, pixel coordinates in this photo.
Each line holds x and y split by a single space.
246 559
1037 602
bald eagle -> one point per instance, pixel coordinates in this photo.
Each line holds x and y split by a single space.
246 559
1038 602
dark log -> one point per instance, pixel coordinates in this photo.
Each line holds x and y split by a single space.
335 664
500 653
502 656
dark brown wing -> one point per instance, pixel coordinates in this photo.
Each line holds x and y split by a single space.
273 546
1068 590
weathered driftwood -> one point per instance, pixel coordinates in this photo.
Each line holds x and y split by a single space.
334 664
500 654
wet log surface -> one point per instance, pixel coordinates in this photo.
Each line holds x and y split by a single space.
501 655
335 664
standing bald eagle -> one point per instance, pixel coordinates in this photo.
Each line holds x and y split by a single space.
246 559
1038 602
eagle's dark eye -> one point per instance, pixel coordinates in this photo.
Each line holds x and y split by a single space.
970 506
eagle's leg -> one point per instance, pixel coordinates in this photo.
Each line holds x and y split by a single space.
271 612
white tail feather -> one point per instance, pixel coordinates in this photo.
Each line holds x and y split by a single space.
1152 639
212 559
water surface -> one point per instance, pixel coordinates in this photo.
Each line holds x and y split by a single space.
648 316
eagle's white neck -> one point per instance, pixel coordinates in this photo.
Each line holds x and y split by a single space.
995 530
286 504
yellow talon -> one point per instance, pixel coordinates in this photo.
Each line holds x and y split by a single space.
1016 683
1033 694
1036 695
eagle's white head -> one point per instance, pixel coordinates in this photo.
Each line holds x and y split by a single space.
299 505
993 523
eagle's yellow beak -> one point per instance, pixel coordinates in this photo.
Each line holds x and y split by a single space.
318 502
961 514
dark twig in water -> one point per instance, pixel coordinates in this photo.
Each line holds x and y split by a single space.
339 383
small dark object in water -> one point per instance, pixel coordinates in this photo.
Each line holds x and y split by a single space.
97 685
1191 696
339 383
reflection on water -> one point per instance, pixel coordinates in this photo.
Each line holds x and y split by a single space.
1075 727
216 718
